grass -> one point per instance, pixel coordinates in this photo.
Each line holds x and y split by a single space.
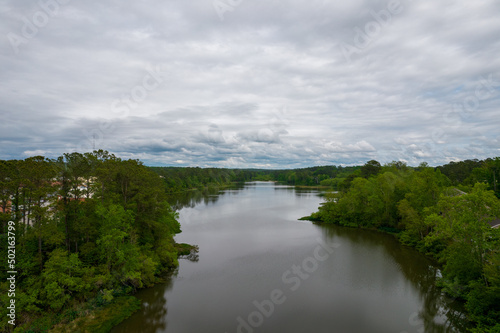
102 320
185 249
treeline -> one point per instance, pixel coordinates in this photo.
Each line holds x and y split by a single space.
315 176
469 172
177 179
92 227
445 212
88 228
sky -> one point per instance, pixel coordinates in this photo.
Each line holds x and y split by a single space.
251 84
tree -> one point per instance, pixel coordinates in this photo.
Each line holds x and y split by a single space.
89 224
371 168
493 166
37 175
387 183
462 222
460 172
9 189
422 193
62 277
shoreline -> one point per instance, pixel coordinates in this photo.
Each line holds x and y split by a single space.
395 235
104 318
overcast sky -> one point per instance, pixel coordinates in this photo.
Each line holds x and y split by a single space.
251 83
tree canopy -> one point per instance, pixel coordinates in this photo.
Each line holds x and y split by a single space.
447 219
87 225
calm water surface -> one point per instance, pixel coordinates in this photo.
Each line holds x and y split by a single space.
262 270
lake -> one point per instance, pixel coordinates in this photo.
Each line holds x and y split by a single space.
260 269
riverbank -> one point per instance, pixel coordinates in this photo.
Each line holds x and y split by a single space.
101 320
391 231
447 225
396 234
243 246
201 189
313 187
108 309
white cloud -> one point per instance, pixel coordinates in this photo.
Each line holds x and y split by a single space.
29 153
268 86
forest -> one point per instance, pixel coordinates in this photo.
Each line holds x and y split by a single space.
91 229
186 178
445 212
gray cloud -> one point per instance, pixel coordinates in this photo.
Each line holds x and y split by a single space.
270 85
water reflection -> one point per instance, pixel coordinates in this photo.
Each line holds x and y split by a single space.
152 317
249 237
210 195
301 190
438 313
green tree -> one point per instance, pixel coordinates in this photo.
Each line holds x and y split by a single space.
387 184
462 222
62 278
371 168
37 175
9 191
423 192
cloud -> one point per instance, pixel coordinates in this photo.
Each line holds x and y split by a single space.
269 85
